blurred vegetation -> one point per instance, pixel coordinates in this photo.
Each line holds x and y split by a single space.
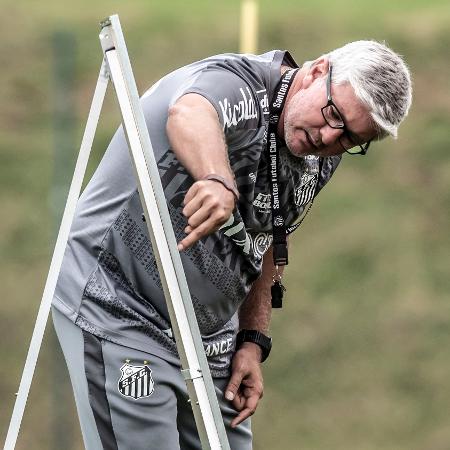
361 357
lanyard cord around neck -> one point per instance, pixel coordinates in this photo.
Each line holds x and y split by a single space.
280 251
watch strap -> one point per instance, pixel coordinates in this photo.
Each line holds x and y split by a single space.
255 336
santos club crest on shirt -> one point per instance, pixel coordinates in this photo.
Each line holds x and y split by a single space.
136 381
305 192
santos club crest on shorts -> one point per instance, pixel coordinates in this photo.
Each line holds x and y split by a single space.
305 192
136 381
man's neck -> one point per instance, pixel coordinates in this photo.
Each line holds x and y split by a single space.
295 86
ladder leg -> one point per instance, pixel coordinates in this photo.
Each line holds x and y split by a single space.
198 378
57 258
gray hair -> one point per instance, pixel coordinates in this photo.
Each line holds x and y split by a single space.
380 79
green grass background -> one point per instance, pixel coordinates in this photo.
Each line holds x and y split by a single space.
361 355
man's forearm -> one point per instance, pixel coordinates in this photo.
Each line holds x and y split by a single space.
255 312
197 139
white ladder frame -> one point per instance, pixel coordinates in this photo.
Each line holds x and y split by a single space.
117 68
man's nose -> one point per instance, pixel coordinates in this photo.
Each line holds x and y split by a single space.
330 135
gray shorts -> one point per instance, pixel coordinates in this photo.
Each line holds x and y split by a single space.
127 399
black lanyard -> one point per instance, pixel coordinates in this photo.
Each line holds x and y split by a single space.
279 229
280 251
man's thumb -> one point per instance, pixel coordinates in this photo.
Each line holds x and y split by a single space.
233 386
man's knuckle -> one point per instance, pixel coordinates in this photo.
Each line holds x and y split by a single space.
218 220
223 215
214 202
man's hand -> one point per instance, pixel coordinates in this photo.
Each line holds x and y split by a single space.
207 206
245 387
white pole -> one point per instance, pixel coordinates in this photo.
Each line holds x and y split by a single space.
55 266
196 372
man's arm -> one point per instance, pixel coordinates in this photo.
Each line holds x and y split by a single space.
245 387
255 312
197 139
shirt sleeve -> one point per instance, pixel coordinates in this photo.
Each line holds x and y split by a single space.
232 97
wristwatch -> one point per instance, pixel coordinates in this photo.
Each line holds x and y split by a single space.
265 342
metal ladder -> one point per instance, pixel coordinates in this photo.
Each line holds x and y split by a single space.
116 67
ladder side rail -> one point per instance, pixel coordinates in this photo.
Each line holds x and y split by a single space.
179 319
199 380
57 258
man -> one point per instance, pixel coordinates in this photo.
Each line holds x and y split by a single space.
243 143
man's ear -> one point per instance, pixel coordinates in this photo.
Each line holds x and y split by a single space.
318 69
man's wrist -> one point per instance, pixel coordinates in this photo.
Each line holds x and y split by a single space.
229 185
253 348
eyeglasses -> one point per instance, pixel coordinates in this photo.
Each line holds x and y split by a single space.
334 119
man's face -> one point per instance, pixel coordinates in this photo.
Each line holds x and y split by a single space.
305 129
